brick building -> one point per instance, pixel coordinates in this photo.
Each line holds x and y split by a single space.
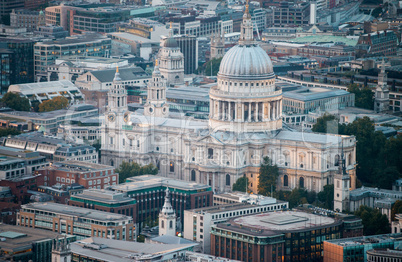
81 222
105 200
89 175
380 43
20 186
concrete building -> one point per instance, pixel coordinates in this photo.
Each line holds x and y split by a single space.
291 14
28 19
274 236
53 148
7 6
385 255
356 248
77 221
24 244
45 53
39 92
83 173
189 48
198 222
306 100
51 31
245 124
100 249
105 200
149 191
49 122
15 163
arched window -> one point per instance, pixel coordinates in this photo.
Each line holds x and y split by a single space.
193 175
301 182
171 224
285 180
111 162
336 160
227 179
171 166
163 224
350 159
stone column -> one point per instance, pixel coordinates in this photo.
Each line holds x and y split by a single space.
242 112
274 111
230 111
249 111
269 110
219 110
256 112
280 108
211 108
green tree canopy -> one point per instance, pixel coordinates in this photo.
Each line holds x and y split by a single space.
16 102
374 223
268 177
326 197
206 68
127 169
364 97
396 209
9 131
56 103
241 184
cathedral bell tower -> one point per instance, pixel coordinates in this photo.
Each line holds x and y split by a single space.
341 186
156 96
217 46
61 251
381 102
167 218
117 101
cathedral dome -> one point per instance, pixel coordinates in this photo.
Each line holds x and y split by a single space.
170 42
246 60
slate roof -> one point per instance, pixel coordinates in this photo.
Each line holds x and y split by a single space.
126 74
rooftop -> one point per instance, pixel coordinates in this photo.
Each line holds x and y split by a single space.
314 93
20 237
102 195
325 38
126 74
150 181
118 250
80 39
249 198
76 211
79 166
366 240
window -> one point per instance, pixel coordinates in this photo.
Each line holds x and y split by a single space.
285 180
336 160
171 224
301 182
227 179
210 153
163 224
171 167
193 175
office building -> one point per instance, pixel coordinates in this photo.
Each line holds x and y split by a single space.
15 163
291 14
7 6
384 255
274 236
105 200
89 175
54 149
310 99
189 48
23 18
39 92
46 53
149 191
380 43
21 63
198 222
51 31
25 244
99 249
356 248
77 221
6 57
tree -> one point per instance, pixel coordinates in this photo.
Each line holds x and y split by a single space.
9 131
206 68
132 169
297 197
16 102
374 223
396 209
56 103
364 97
326 197
386 176
241 184
97 144
268 177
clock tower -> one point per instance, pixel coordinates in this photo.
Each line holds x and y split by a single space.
156 96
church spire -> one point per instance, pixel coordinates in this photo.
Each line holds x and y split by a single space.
117 75
246 35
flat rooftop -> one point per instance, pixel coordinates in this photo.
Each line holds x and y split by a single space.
222 208
20 237
79 166
124 251
151 181
274 222
102 195
314 93
76 211
366 240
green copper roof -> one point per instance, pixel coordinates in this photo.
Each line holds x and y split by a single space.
325 38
